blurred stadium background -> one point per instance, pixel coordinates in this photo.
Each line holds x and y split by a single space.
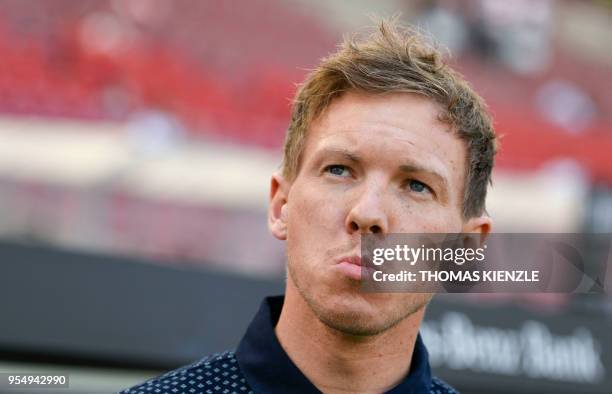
136 142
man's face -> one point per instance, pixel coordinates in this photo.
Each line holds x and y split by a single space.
371 164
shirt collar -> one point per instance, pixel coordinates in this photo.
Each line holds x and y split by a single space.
268 369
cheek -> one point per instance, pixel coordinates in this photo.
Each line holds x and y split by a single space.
312 226
426 218
314 211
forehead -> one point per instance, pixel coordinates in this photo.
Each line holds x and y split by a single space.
389 128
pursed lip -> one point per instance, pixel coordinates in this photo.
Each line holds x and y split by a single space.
354 267
354 259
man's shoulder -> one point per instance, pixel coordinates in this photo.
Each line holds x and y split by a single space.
438 386
217 372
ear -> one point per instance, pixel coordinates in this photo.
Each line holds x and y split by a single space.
277 209
478 225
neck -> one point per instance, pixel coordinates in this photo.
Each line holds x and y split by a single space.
336 362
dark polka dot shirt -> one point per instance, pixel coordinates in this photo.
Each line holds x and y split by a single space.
260 365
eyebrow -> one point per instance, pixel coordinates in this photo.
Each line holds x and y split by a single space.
347 154
412 168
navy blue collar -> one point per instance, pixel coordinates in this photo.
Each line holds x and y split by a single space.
269 370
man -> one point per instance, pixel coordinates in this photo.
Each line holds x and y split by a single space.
384 138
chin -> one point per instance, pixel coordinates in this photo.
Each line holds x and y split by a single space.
354 314
355 322
347 309
365 314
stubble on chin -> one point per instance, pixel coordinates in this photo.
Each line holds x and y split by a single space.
353 322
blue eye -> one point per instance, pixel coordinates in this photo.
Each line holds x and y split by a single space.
417 186
337 169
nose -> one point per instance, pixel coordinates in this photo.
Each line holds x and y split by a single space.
367 213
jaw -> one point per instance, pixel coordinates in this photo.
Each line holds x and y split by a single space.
348 310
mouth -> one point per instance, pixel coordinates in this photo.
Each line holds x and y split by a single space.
352 267
354 260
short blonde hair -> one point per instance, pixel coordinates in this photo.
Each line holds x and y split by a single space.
396 59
